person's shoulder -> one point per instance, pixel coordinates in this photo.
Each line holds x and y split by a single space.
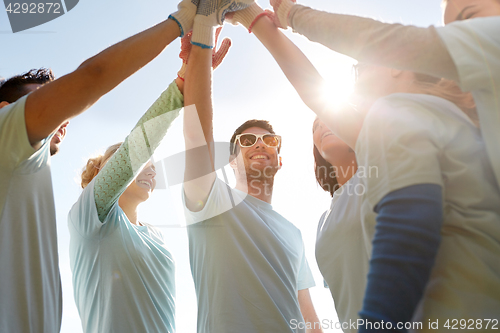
408 106
395 108
291 227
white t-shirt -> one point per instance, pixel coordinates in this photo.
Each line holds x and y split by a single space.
342 250
248 264
421 139
123 274
474 46
30 285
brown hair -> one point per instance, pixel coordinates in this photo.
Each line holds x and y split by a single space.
95 164
449 90
324 173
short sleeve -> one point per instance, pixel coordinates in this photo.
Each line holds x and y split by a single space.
474 46
399 145
220 200
14 144
83 215
306 279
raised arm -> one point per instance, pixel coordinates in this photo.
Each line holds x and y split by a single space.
308 312
366 40
344 121
199 173
54 103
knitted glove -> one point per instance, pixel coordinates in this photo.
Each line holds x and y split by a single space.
185 14
210 14
217 56
282 11
247 17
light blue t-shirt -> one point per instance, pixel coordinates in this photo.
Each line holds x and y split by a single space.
248 264
30 285
123 275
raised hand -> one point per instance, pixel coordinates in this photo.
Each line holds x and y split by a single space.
185 14
217 56
210 14
282 11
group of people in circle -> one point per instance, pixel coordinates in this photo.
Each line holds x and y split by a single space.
419 243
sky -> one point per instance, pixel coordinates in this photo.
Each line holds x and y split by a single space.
247 85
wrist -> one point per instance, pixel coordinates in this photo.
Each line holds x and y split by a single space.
284 12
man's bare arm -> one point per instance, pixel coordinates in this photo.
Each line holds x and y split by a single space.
54 103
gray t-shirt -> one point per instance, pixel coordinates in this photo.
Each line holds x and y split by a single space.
248 264
30 285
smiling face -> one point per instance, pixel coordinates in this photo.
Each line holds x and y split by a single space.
329 146
144 183
458 10
258 161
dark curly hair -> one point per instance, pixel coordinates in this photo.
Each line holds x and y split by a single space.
14 88
264 124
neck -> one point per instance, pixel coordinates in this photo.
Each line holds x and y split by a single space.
344 167
129 207
261 189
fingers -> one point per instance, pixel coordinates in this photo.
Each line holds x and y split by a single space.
185 47
221 53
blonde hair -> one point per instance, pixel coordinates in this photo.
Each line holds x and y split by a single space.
95 164
449 90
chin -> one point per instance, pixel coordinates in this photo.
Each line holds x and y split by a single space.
145 196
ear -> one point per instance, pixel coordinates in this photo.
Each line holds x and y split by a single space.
4 103
396 72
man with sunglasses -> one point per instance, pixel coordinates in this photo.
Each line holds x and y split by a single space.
248 262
